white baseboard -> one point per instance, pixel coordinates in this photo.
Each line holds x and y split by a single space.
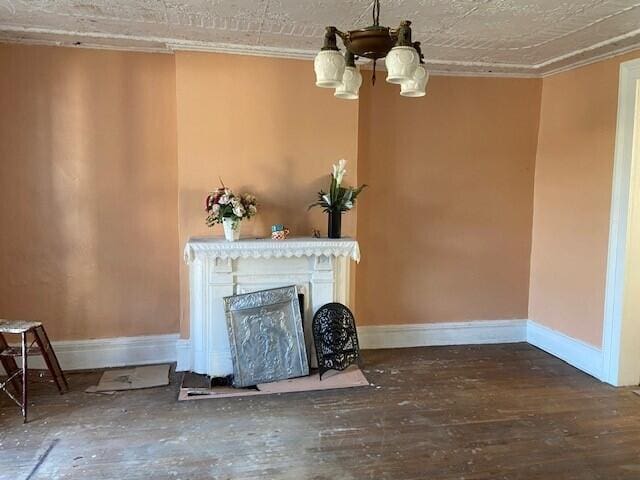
144 350
111 352
420 335
183 355
449 333
581 355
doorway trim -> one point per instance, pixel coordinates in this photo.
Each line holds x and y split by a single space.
621 365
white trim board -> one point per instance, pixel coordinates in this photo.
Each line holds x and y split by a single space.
449 333
581 355
111 352
417 335
621 363
183 355
117 352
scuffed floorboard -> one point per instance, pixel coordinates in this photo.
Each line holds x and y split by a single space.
484 412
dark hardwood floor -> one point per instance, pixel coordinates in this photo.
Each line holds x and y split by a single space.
484 412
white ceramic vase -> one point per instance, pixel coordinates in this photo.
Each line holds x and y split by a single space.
230 233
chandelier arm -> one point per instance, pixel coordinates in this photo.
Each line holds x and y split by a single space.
330 41
350 58
403 34
418 49
343 36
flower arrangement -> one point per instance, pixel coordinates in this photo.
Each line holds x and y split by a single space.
338 199
225 207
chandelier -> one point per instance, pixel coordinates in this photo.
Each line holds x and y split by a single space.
403 58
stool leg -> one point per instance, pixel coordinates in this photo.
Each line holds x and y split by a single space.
24 376
46 350
10 367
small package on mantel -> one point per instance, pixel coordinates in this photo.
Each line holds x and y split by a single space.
279 232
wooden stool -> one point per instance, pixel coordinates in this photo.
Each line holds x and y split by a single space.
8 355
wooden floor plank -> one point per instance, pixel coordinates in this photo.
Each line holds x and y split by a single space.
439 413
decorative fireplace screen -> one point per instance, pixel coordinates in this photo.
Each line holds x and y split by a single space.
335 338
266 336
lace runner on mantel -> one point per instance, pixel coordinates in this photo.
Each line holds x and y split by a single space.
217 247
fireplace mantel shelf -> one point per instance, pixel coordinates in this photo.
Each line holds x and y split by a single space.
217 247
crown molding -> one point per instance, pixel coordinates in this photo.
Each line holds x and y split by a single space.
64 38
620 38
593 59
435 72
233 49
85 45
134 43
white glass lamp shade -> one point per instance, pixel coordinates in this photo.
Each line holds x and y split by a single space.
351 82
329 66
416 87
401 62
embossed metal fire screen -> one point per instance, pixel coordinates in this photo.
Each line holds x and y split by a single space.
266 336
335 337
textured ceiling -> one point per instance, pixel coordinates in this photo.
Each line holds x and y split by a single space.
529 37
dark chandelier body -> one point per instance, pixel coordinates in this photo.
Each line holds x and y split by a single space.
403 58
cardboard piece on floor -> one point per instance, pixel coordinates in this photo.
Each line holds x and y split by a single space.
132 379
352 377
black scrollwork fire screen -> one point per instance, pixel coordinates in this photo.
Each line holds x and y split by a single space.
335 337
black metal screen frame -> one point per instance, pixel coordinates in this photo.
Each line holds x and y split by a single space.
335 338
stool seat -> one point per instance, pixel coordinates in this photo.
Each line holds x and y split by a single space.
17 326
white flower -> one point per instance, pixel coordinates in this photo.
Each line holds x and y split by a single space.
215 210
239 211
339 170
252 210
348 205
224 199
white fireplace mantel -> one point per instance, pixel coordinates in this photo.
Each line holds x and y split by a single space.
198 247
319 267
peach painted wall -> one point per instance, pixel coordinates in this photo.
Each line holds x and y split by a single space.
572 203
264 127
446 224
100 195
88 191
